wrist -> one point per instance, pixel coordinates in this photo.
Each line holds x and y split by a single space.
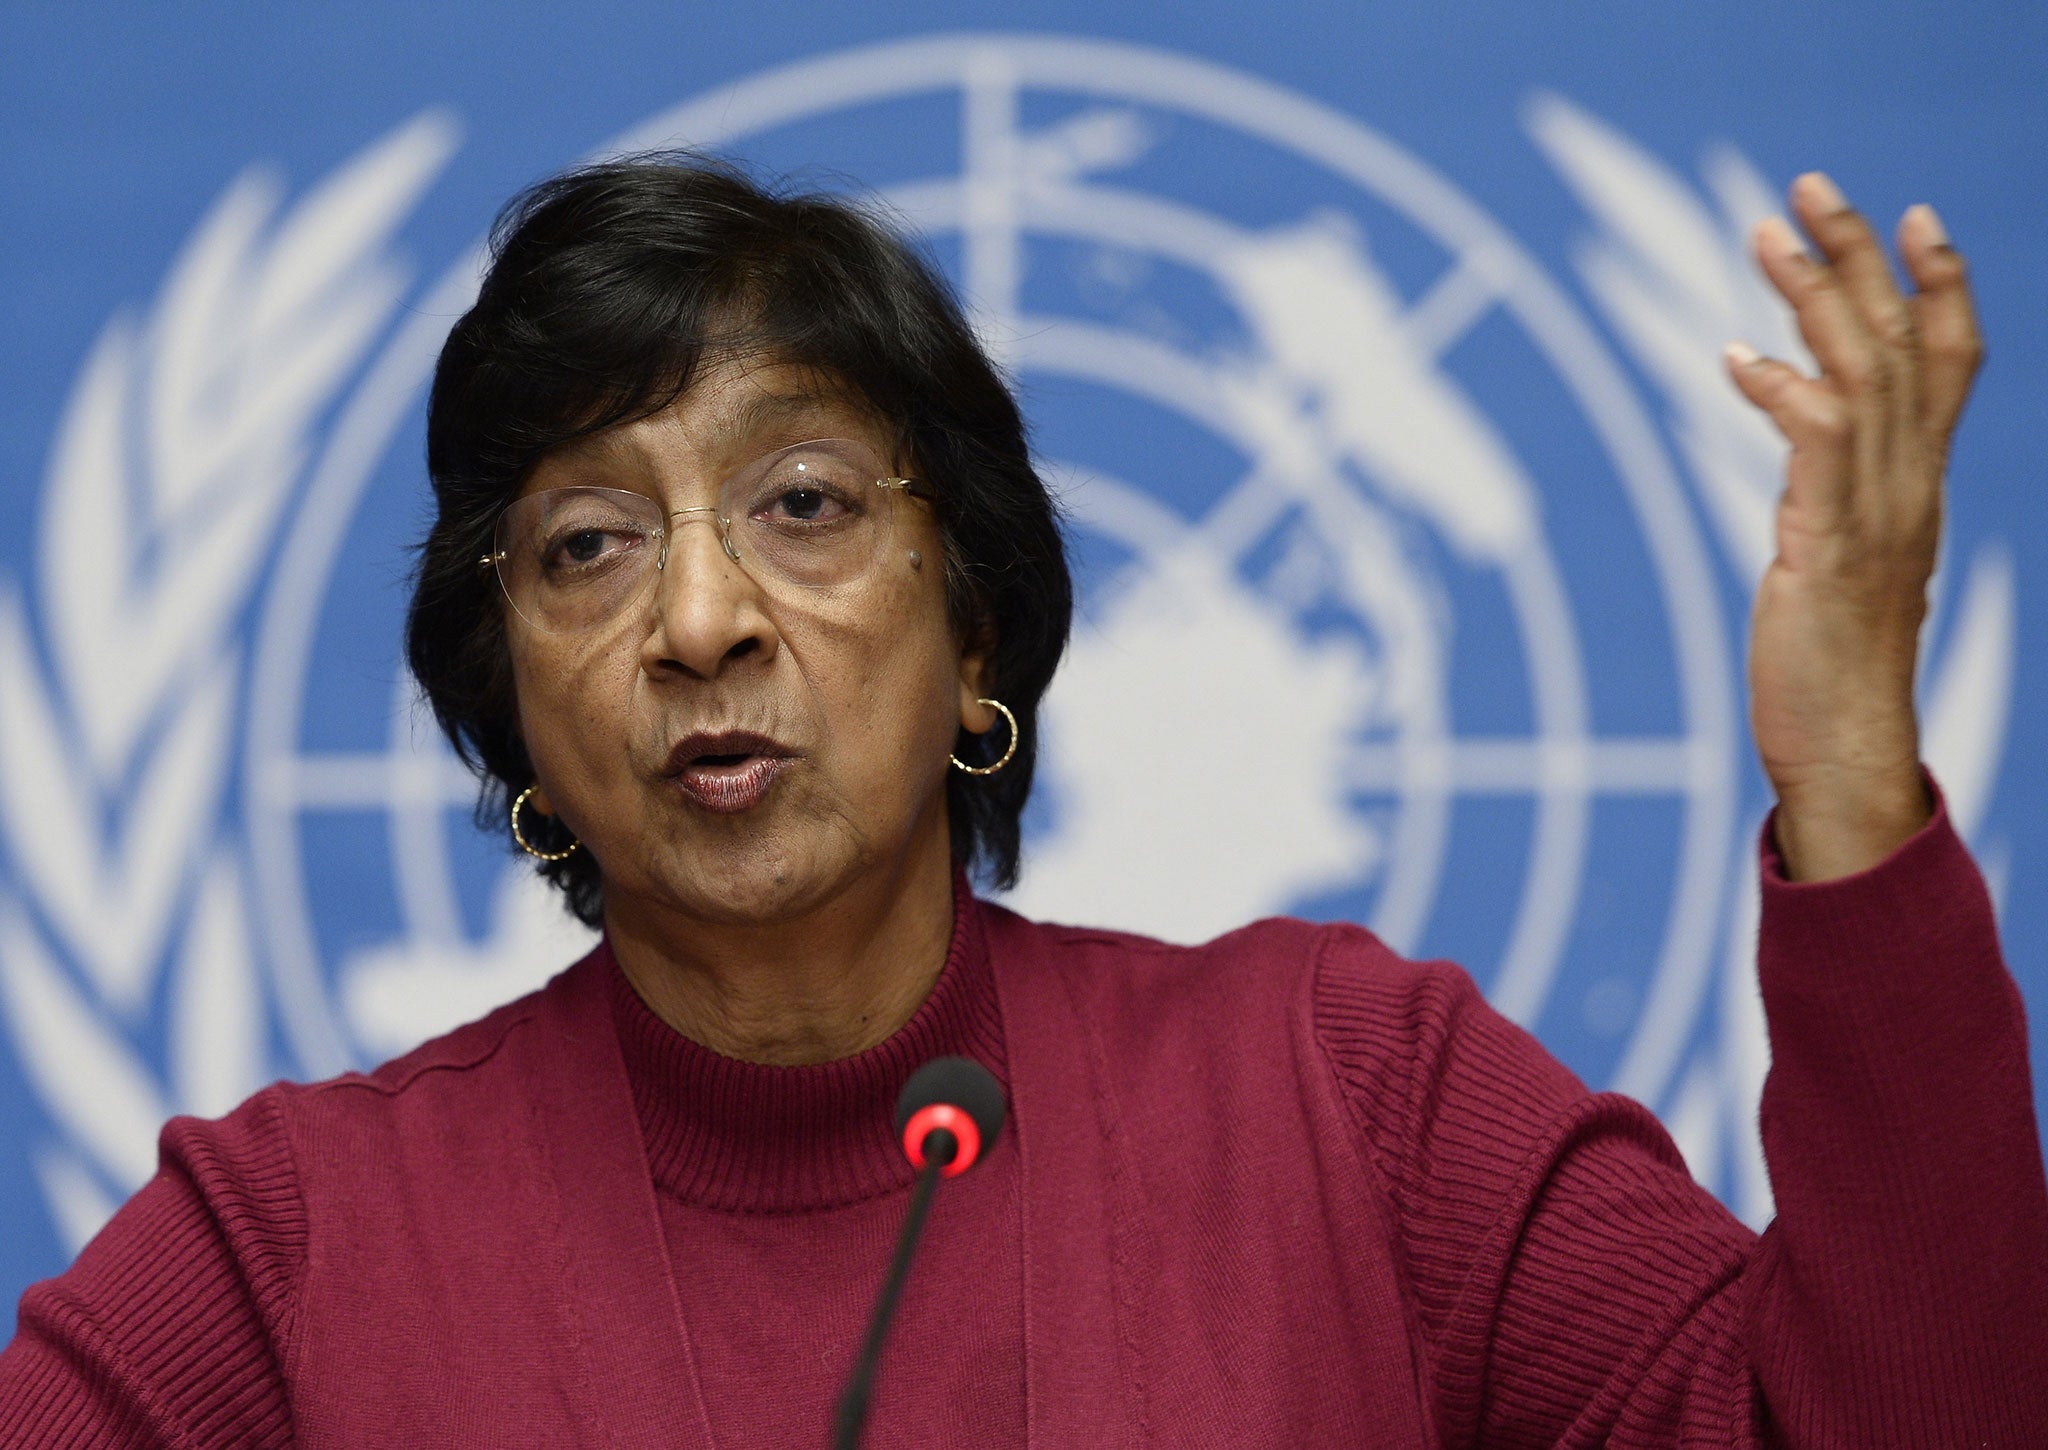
1827 830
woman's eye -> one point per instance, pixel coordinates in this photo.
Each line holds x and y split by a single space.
810 490
805 500
580 548
807 504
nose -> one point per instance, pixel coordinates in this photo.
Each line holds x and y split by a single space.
706 514
708 611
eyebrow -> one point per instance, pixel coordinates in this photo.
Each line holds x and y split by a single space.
759 412
766 409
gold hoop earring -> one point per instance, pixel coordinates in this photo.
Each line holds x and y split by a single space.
960 764
520 836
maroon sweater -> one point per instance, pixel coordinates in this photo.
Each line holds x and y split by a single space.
1284 1189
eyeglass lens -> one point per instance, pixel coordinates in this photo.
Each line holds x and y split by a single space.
803 519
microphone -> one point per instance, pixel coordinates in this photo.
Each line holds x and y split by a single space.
954 1096
948 1116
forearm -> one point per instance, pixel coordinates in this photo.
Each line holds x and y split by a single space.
1912 1234
1597 1296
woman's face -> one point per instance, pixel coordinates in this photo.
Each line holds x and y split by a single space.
732 748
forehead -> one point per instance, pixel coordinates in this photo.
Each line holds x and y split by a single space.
730 412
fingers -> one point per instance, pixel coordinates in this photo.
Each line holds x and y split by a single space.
1911 356
1813 417
1856 257
1894 369
1951 346
1847 415
1831 316
1805 411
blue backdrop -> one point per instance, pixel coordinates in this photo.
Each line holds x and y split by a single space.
1375 355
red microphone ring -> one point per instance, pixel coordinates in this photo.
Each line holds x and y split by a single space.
956 1121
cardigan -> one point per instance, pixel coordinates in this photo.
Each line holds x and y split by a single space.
1282 1189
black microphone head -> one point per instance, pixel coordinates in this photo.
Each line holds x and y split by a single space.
954 1094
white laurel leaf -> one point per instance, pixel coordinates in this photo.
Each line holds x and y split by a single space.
199 339
179 449
90 1078
47 812
250 341
1648 210
111 901
216 1038
84 572
1746 197
350 215
205 576
177 789
1674 279
1733 451
1967 694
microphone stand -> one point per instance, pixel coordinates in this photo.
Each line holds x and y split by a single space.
940 1146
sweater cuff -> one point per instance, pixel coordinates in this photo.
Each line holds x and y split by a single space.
1918 924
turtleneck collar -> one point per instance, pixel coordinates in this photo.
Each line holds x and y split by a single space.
746 1137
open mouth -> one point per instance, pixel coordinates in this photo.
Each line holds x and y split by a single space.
727 773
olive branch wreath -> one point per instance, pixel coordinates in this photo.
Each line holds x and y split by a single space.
123 916
124 928
1670 270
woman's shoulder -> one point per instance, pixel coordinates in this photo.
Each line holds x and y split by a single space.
1337 981
451 1076
1278 952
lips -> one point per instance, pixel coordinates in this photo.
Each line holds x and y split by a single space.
727 772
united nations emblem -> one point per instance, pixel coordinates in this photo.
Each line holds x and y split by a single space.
1400 602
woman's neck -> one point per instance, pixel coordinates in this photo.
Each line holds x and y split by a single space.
818 987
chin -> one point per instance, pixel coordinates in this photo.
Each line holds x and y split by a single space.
779 861
755 882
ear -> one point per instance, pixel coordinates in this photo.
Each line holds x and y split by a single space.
977 680
540 802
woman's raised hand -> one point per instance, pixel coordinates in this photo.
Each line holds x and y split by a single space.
1836 627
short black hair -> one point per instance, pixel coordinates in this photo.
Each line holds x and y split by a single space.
609 288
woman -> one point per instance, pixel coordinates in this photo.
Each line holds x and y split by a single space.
738 543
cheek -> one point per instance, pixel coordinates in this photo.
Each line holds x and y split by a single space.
890 696
570 712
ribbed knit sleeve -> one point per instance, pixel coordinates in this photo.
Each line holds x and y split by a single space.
1574 1287
167 1331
